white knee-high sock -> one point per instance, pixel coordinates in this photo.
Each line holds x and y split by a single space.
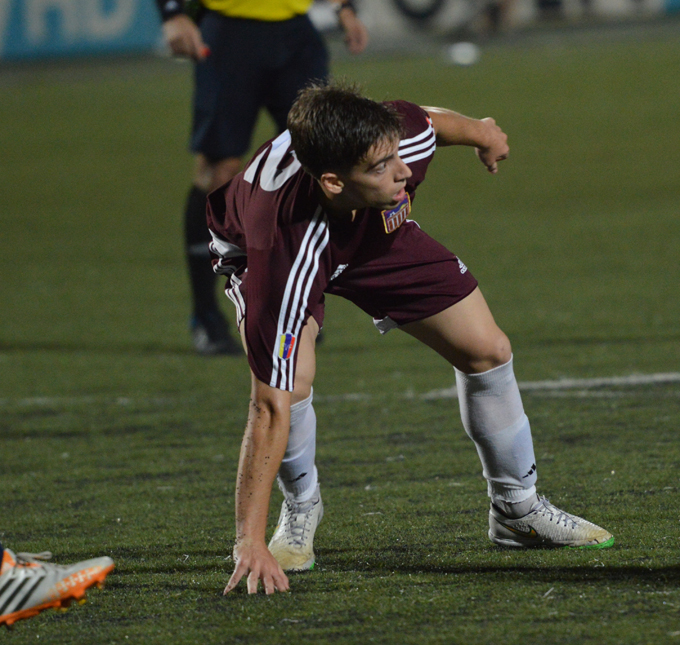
297 474
493 417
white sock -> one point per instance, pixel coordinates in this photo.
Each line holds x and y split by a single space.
493 417
297 475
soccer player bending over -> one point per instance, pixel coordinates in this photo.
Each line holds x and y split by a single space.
324 208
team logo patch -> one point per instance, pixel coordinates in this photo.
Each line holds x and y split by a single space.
286 346
394 218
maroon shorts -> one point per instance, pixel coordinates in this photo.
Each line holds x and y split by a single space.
414 279
417 278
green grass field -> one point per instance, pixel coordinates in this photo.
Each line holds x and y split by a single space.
118 440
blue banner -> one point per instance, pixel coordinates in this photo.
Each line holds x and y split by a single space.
44 28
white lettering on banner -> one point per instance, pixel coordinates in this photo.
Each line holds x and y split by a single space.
5 6
102 25
79 19
36 23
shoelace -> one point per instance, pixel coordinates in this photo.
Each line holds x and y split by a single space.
38 561
544 507
296 529
32 558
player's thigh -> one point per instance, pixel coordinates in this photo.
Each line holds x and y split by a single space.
465 334
305 369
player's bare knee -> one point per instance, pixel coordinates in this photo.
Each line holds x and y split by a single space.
500 351
496 351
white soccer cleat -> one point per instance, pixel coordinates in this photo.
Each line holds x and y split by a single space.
293 541
548 527
29 586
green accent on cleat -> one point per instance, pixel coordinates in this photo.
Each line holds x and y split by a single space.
604 545
546 526
313 564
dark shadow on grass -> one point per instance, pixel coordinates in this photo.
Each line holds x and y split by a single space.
546 573
135 561
406 563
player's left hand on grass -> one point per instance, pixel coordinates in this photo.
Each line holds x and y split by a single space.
257 563
497 147
356 36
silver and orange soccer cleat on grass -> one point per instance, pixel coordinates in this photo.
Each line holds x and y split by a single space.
28 585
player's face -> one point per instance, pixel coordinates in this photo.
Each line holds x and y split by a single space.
379 181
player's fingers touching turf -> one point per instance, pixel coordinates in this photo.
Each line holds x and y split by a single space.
264 568
273 578
281 581
252 582
269 585
239 572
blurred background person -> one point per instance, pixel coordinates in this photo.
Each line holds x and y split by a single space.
248 55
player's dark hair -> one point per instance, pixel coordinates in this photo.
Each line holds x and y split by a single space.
333 127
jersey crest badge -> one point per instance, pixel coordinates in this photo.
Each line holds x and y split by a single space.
394 218
286 346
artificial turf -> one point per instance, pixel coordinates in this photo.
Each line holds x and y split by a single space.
117 440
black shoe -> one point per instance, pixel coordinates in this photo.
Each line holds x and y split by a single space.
211 337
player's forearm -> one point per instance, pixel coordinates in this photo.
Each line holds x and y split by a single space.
262 450
453 129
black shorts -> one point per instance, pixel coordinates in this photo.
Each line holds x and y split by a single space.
252 64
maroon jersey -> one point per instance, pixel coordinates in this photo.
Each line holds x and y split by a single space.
282 252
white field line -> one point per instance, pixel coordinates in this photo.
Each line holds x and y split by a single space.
559 385
50 401
572 384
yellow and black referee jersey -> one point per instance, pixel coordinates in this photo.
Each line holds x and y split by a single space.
268 10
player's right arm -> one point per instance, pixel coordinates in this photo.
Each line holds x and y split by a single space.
284 237
454 129
181 34
263 447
